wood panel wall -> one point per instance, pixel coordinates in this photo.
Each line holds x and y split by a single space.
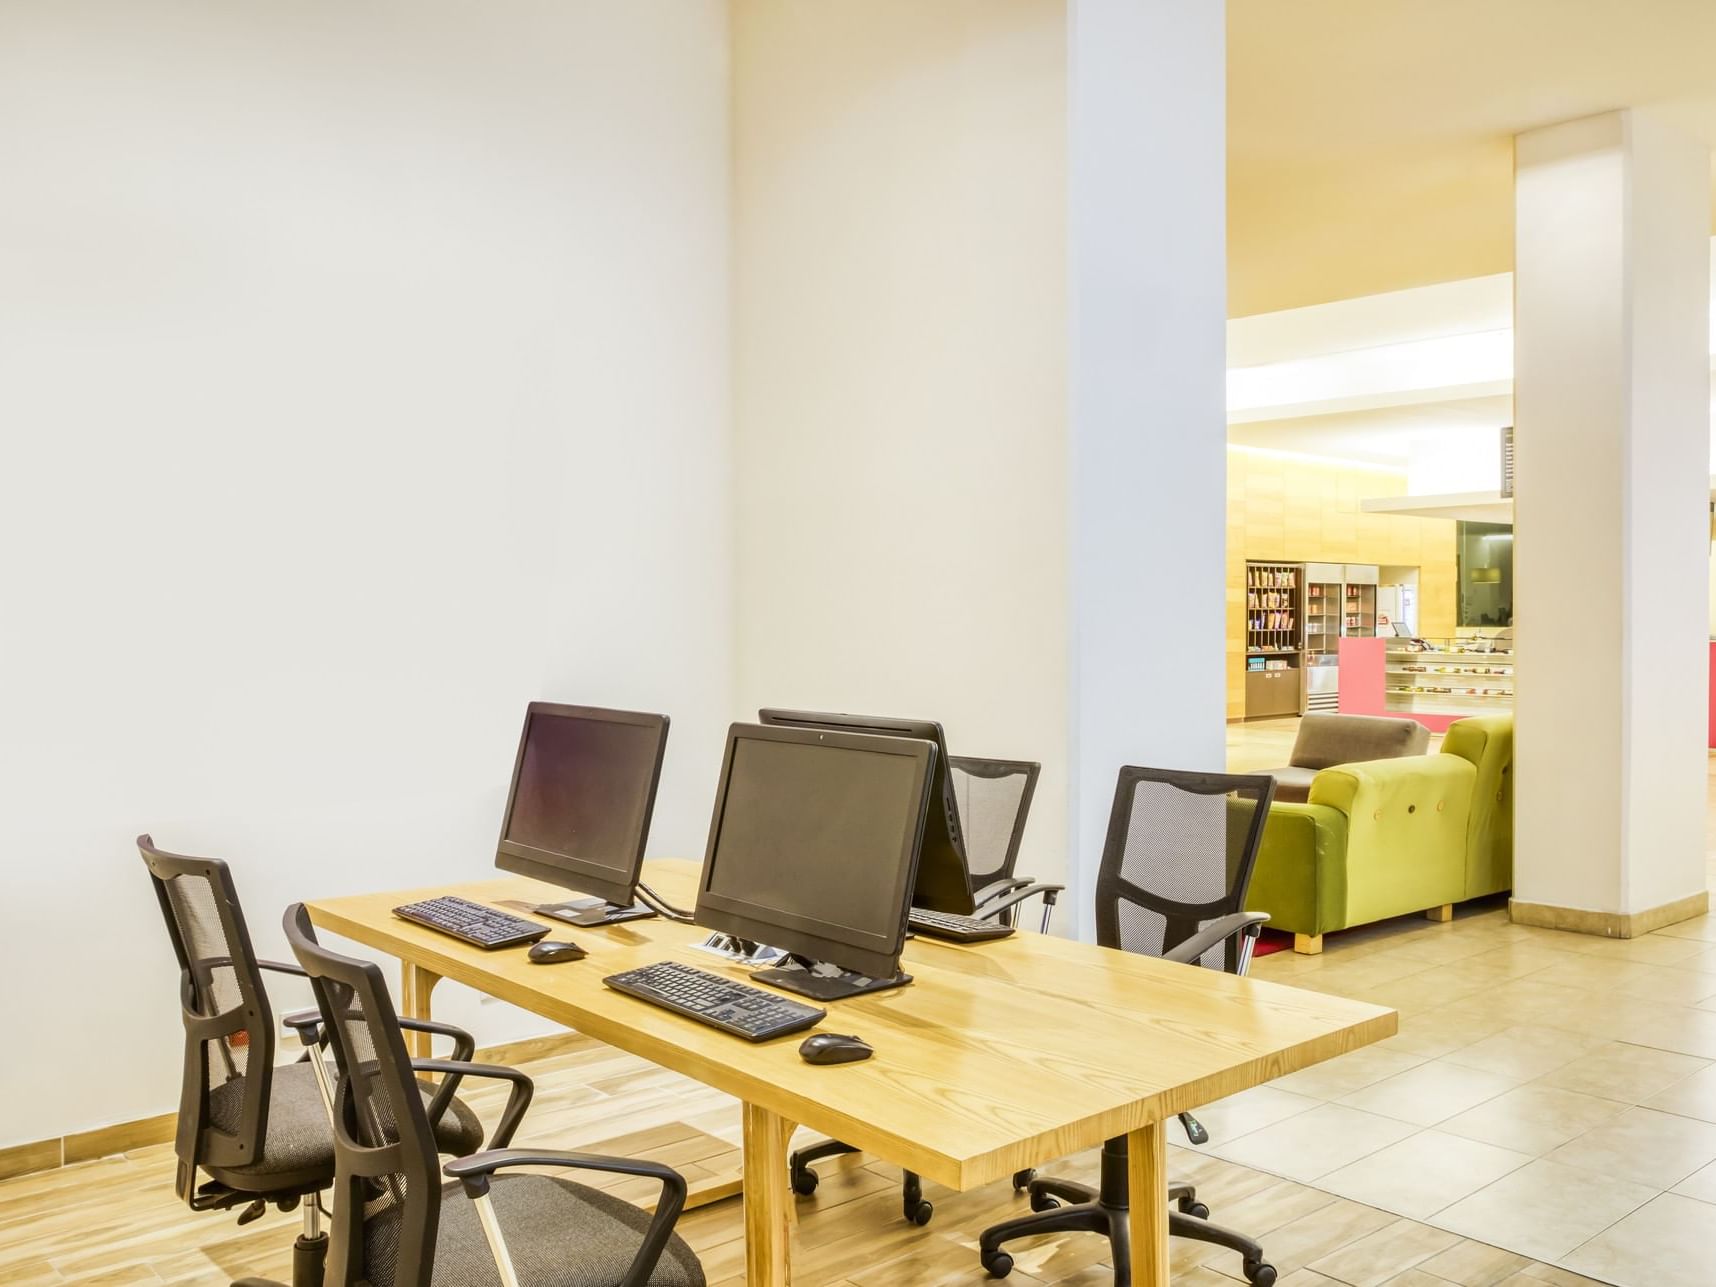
1300 510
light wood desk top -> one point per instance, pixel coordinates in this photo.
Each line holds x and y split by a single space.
998 1056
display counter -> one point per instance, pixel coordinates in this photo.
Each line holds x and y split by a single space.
1434 681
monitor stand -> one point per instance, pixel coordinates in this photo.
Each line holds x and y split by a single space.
825 981
589 912
592 911
745 951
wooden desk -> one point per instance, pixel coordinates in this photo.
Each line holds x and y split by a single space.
1000 1055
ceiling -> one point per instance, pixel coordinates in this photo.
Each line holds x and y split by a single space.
1370 141
1383 436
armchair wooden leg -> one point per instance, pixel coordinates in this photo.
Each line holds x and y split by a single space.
1308 944
1443 913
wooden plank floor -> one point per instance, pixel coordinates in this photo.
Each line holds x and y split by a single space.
115 1222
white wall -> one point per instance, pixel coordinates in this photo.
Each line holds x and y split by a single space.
363 375
900 341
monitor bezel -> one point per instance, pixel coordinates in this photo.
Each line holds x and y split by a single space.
563 870
875 955
944 869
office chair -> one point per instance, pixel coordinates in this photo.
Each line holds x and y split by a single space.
1175 869
396 1224
260 1132
993 798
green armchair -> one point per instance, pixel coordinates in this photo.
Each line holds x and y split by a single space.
1386 838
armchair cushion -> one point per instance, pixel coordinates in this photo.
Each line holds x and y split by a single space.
1327 740
558 1233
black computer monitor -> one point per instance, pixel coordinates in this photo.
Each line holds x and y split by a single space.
813 847
577 815
944 875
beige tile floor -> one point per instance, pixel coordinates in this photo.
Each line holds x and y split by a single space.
1553 1095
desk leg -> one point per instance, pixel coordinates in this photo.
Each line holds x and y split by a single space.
416 983
770 1212
1147 1188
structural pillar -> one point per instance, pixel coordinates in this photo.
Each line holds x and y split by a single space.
1612 444
1147 276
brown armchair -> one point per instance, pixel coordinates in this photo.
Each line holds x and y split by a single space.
1327 740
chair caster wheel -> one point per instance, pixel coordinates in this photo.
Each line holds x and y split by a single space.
1044 1202
1022 1179
804 1182
1259 1273
1192 1207
920 1213
998 1263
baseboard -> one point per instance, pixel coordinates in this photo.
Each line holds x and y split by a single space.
1578 920
25 1159
122 1137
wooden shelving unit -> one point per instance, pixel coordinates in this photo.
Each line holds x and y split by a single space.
1274 640
1273 607
1358 611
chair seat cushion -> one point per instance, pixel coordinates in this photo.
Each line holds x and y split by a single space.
559 1234
299 1138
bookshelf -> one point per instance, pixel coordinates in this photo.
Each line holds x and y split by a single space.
1274 640
1272 607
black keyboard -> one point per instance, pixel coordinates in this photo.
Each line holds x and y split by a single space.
472 922
732 1007
959 929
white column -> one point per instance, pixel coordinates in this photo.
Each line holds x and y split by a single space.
1612 375
1147 428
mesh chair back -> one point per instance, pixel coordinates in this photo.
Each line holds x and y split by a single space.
229 1029
994 799
378 1167
1180 851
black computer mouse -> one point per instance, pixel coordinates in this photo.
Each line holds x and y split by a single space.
833 1048
547 952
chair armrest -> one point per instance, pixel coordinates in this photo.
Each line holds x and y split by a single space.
1048 892
307 1024
473 1173
453 1070
1217 931
997 887
464 1045
281 967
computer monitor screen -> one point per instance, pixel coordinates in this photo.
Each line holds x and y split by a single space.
583 788
944 875
814 842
